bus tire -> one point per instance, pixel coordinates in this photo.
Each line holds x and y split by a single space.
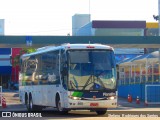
101 112
26 101
59 107
31 107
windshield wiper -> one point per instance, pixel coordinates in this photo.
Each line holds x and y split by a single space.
90 81
100 81
87 83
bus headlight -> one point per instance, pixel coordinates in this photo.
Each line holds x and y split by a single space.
74 98
112 98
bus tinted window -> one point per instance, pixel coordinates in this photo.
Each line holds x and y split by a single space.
50 68
41 69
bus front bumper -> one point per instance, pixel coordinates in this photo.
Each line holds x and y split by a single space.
92 104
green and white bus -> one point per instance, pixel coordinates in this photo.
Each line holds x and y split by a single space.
69 77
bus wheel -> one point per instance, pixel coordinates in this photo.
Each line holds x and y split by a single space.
101 112
31 106
59 106
27 102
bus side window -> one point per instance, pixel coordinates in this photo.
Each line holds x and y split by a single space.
53 76
43 72
50 68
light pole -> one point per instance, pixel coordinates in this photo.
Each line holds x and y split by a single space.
89 6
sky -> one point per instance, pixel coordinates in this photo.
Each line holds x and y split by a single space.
54 17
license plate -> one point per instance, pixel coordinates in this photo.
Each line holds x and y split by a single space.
94 104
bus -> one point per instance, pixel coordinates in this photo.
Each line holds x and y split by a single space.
69 77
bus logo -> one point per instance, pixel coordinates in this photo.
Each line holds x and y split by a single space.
94 97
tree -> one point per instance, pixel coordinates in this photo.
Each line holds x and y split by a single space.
16 60
156 17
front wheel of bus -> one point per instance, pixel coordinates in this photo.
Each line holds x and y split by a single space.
101 112
59 106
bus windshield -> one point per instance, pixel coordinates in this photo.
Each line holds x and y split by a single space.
92 70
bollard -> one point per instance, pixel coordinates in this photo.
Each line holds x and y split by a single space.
137 100
3 102
129 98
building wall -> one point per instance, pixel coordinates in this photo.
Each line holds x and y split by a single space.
5 64
85 30
152 25
78 21
118 28
1 26
152 29
5 67
121 28
118 32
159 15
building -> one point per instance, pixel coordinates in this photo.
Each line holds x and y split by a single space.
1 26
5 67
5 64
111 28
78 21
159 14
152 29
8 73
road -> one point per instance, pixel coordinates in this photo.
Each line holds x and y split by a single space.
124 108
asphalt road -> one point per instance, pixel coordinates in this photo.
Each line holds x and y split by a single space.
124 108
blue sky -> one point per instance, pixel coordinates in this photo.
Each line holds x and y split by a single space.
54 17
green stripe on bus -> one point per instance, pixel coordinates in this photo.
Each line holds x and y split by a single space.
77 94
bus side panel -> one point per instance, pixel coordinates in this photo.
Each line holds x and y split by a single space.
51 94
37 95
22 94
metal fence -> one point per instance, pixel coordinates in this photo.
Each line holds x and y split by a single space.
152 94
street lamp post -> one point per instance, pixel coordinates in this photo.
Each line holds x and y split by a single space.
89 6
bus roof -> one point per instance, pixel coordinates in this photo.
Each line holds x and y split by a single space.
68 46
